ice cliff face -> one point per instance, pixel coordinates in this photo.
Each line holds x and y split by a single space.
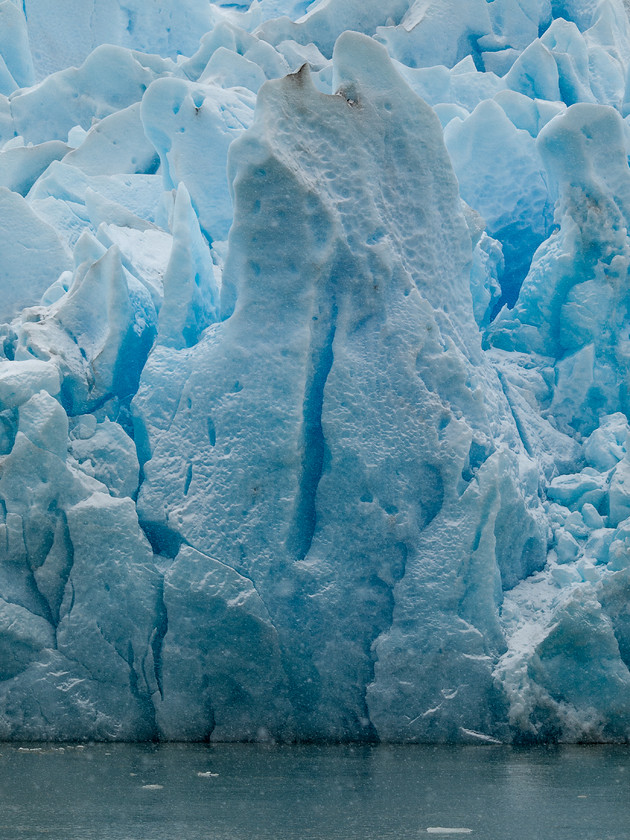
314 370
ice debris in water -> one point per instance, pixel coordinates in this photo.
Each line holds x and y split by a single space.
314 352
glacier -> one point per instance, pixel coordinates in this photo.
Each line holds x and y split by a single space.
314 371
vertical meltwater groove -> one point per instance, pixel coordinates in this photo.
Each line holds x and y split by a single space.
313 442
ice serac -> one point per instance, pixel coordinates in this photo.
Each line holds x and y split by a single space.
24 240
71 666
99 333
501 174
180 118
324 438
572 304
191 296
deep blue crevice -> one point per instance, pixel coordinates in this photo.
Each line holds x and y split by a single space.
141 695
187 483
163 540
313 441
157 641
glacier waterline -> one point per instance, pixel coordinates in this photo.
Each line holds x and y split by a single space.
234 792
276 461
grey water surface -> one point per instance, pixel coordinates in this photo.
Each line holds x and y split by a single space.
250 791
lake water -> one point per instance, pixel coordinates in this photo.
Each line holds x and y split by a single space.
245 792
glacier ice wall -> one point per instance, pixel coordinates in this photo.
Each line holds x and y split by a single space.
314 353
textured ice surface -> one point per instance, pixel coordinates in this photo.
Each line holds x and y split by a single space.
314 370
